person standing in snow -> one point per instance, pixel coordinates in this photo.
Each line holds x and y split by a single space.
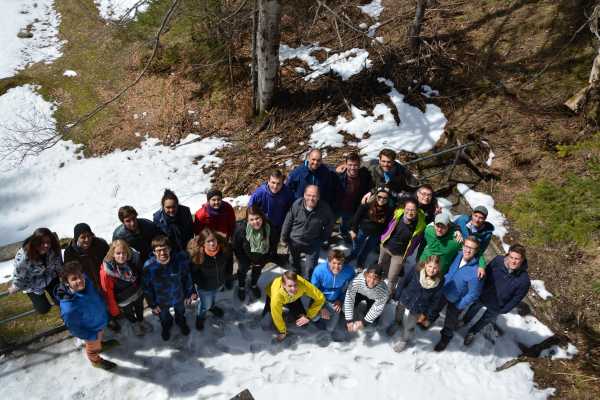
313 172
307 225
421 290
83 310
477 226
462 288
255 244
506 285
88 250
212 267
137 232
174 220
287 290
332 279
120 278
215 214
368 224
386 171
354 182
167 283
368 286
37 265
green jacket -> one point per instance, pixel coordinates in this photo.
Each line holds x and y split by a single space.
446 247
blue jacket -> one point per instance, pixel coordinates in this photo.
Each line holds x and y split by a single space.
274 205
323 177
140 240
167 285
416 298
483 235
502 290
179 229
84 313
461 286
332 286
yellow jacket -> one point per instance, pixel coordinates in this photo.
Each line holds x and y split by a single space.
279 297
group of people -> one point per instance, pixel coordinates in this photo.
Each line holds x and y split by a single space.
426 262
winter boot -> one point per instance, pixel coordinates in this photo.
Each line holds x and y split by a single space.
241 293
199 323
217 311
442 344
104 364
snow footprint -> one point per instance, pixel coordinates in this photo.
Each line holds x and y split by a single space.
299 356
342 380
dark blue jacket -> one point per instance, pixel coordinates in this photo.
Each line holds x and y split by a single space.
502 290
84 313
179 229
483 235
140 240
416 298
274 205
323 177
461 286
167 285
332 286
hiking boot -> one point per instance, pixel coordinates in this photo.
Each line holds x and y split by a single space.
165 334
104 364
442 344
217 311
185 330
241 294
114 325
256 292
399 346
199 324
110 344
469 339
138 329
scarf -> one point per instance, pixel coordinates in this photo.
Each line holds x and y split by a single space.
123 271
214 212
212 253
258 239
426 282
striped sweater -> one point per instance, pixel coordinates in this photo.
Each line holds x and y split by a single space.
379 293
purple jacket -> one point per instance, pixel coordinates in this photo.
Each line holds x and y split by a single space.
274 205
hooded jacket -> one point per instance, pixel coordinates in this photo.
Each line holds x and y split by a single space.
274 205
167 285
461 285
178 229
241 246
323 177
34 276
90 260
221 220
140 240
398 214
416 298
483 235
332 286
504 290
305 227
446 247
117 290
84 312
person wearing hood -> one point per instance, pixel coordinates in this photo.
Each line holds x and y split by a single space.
175 221
215 214
89 251
37 265
83 310
120 277
313 172
506 285
137 232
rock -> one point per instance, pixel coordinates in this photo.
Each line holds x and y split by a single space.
24 34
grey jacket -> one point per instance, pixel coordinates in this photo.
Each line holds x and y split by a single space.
33 276
306 227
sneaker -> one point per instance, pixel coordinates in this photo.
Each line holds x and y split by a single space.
217 311
199 324
114 325
185 330
442 344
165 334
321 324
469 339
399 346
110 344
147 327
104 364
241 293
138 329
256 292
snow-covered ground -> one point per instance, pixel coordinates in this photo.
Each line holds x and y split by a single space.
43 46
116 9
540 289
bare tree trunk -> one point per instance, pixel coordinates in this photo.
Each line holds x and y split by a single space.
267 52
415 29
253 70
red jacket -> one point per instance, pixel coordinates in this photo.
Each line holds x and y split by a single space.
223 222
107 283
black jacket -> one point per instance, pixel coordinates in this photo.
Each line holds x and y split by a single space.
141 240
402 180
213 272
364 186
241 247
361 221
90 260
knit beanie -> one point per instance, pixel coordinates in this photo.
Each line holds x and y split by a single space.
212 193
81 228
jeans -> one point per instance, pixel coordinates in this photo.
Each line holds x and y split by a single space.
40 301
311 253
207 300
166 320
451 321
488 317
362 246
408 320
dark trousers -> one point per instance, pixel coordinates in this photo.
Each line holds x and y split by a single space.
362 246
40 301
359 299
488 317
311 253
254 275
296 309
134 311
166 320
451 321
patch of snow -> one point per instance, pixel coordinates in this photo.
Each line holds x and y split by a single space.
70 73
73 189
540 289
300 70
239 201
446 205
372 9
117 9
556 352
281 148
6 270
44 46
428 92
363 25
490 159
302 53
379 39
272 143
417 132
494 216
288 163
373 29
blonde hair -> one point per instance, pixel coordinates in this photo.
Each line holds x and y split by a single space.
110 255
431 259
